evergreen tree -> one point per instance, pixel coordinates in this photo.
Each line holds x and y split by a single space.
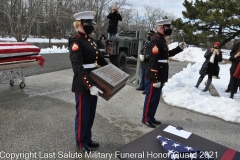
209 21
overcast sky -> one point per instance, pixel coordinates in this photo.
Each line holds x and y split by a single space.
170 6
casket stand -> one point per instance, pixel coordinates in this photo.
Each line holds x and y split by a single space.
14 55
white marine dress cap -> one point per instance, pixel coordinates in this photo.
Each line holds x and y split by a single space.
86 16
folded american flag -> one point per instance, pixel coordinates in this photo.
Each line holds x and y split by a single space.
178 151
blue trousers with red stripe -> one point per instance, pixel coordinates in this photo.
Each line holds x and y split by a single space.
85 114
142 82
151 102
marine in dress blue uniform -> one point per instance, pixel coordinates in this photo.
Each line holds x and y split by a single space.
85 57
144 61
157 71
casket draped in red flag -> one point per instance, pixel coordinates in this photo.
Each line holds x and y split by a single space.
19 51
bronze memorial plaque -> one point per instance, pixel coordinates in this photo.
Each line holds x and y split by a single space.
109 79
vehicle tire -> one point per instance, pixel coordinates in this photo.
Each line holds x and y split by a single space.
11 82
22 85
119 60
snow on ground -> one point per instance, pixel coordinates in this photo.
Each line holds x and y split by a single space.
54 49
225 53
181 85
190 54
193 54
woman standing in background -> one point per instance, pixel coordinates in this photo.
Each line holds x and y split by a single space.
210 66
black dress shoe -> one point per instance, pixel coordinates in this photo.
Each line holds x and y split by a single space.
156 122
227 90
149 124
143 92
86 149
139 89
93 144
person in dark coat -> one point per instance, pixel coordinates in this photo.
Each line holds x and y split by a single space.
101 41
113 17
84 57
234 82
233 52
210 66
144 61
157 70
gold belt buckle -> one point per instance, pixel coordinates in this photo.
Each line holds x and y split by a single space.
95 64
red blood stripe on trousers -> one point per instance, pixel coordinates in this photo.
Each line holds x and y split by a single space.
148 103
229 154
79 119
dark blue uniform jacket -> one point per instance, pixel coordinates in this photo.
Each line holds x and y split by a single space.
83 50
158 50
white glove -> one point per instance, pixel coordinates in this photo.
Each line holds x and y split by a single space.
95 91
157 85
141 57
182 45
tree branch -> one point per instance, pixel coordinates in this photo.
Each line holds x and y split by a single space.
230 38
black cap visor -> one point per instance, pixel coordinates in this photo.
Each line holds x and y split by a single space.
88 21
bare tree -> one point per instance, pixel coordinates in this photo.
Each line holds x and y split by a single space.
54 18
152 15
137 22
127 19
21 22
